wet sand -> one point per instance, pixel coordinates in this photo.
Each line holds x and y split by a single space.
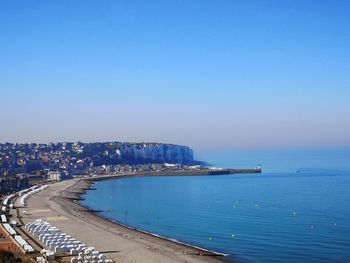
56 205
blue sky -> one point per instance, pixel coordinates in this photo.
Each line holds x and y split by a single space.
209 74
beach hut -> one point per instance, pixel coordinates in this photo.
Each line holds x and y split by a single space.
3 219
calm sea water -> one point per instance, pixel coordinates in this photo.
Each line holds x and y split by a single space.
278 216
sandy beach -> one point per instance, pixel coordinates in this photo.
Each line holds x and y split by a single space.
56 205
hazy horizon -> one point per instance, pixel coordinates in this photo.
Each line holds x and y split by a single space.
206 74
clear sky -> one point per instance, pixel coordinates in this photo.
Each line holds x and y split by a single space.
207 73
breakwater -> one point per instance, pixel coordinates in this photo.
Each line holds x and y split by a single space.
176 173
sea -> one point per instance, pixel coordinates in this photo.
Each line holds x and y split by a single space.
297 210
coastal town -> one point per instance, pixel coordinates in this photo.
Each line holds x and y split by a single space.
27 169
28 164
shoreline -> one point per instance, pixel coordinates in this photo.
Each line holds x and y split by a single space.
58 205
83 185
203 252
96 213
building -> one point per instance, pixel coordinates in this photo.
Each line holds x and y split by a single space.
54 176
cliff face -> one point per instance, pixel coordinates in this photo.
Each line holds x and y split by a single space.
155 152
